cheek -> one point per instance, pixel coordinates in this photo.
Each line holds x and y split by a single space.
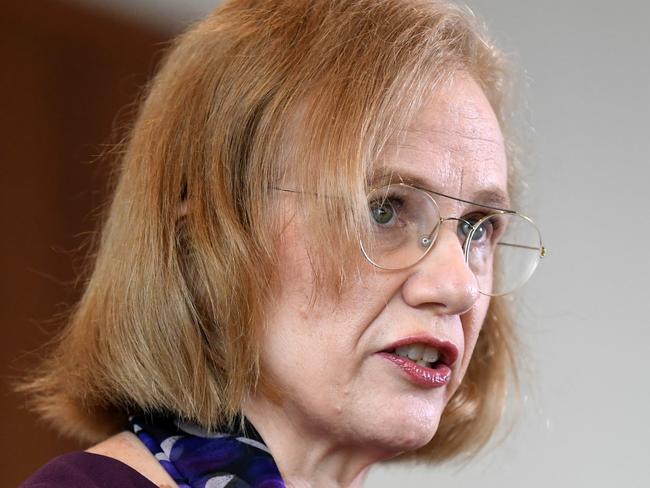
311 344
293 356
472 322
294 347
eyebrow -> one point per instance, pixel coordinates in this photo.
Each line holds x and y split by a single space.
491 197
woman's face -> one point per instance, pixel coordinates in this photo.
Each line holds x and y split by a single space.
328 360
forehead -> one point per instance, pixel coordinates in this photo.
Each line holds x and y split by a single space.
453 144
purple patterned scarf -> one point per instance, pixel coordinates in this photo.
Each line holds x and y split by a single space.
197 459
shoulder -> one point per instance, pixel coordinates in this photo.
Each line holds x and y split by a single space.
88 470
128 449
119 461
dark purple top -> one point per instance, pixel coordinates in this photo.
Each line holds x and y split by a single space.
235 458
87 470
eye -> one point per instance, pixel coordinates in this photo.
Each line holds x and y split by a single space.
383 212
485 230
389 209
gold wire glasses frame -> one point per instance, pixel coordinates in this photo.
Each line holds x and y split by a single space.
406 220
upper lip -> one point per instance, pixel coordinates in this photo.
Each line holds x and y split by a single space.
448 350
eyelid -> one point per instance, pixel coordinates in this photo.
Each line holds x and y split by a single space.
479 211
383 181
492 208
395 178
483 213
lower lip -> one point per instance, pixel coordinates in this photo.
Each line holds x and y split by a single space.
420 375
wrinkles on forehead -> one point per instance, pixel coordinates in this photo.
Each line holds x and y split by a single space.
442 134
453 146
454 135
478 175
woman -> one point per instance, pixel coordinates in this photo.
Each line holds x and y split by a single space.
299 260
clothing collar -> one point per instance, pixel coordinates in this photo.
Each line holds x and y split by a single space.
234 457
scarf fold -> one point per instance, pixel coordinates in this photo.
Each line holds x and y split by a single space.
198 459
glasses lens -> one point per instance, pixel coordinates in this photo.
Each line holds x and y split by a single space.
401 227
503 250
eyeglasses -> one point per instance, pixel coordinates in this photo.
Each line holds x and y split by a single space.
404 222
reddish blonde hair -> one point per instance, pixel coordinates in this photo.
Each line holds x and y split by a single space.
170 317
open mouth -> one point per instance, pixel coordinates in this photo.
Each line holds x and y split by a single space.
423 363
420 354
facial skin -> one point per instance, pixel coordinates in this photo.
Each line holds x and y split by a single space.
344 406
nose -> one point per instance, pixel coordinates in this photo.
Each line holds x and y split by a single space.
443 278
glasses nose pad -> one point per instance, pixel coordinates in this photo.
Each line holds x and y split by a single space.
464 243
426 241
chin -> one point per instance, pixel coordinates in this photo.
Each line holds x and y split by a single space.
397 428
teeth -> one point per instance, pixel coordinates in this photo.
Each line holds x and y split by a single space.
430 354
419 353
415 352
403 351
422 363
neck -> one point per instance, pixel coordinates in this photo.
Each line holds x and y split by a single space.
309 457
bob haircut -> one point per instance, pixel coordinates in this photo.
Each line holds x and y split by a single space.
259 94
